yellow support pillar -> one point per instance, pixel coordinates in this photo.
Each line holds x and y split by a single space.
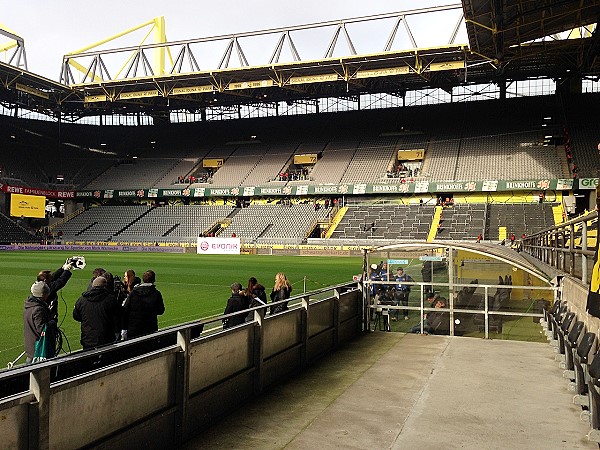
437 217
160 37
336 221
501 233
558 213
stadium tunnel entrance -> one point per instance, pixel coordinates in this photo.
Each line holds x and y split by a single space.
449 288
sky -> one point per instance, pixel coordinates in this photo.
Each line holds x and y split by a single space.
52 28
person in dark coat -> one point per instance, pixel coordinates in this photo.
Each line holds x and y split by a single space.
36 314
98 272
237 302
281 291
56 281
97 310
142 307
257 296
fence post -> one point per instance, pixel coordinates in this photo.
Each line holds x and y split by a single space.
584 258
304 332
182 385
39 384
258 349
487 319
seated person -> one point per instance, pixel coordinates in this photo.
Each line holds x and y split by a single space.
434 321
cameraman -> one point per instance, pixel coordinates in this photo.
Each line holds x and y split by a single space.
36 314
56 281
403 290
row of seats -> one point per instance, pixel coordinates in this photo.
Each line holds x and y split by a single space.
268 221
13 232
578 356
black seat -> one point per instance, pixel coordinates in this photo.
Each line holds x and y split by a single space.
586 348
555 321
594 398
562 333
570 348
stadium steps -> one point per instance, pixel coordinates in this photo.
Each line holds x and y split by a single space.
134 221
263 232
232 214
434 224
336 221
170 230
558 213
86 228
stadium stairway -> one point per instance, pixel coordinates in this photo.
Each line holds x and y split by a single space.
395 390
437 217
559 213
336 221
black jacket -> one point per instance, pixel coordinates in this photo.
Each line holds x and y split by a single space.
98 312
280 294
58 281
36 314
142 307
236 303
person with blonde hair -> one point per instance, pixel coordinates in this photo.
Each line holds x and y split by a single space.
281 291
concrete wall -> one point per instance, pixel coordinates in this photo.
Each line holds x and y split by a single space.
174 386
575 293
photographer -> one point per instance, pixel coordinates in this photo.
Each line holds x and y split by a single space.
36 314
402 290
55 281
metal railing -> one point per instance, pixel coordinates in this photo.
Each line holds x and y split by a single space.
485 313
159 390
568 247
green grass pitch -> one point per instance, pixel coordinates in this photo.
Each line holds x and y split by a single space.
193 286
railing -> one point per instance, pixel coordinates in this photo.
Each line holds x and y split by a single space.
486 314
565 246
159 390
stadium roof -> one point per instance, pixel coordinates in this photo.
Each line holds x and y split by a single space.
510 40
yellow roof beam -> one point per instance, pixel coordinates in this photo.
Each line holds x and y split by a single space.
160 37
12 44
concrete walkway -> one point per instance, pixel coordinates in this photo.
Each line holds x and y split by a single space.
397 391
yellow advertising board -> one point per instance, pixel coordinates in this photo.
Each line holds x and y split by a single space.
250 84
193 89
27 205
449 65
310 158
138 94
411 155
32 91
212 163
308 79
95 98
390 71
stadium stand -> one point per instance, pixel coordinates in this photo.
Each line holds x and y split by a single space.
518 218
334 162
479 149
290 222
128 173
463 222
184 169
238 165
371 161
385 222
271 164
175 223
11 232
101 223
